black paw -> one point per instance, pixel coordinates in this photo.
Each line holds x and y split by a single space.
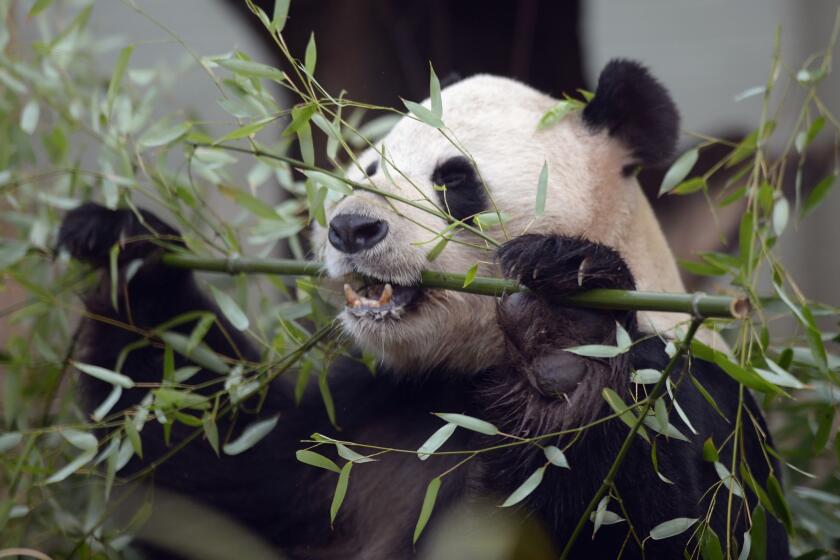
89 231
557 265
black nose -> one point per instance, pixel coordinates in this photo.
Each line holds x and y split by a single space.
351 233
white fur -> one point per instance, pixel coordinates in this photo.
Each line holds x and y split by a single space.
495 121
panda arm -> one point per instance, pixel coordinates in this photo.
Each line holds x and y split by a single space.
543 389
260 486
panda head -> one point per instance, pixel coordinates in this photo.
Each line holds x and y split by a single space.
489 158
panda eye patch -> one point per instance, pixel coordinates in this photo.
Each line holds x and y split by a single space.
372 168
459 188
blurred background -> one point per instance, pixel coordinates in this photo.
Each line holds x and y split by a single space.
378 51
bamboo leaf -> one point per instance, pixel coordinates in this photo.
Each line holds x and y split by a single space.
201 354
281 12
348 454
710 545
690 186
29 116
105 407
133 436
162 134
434 93
781 212
437 249
780 506
556 457
729 479
469 423
423 114
83 459
436 440
117 77
251 69
542 187
230 309
622 338
758 534
596 350
526 488
679 170
672 528
710 452
250 436
340 490
245 131
427 508
106 375
310 56
598 515
211 431
645 376
332 183
470 276
625 415
9 441
316 460
817 194
558 112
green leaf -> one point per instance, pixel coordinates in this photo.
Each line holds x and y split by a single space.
211 432
526 488
348 454
316 460
340 490
245 131
625 415
117 77
817 194
436 440
780 506
250 436
38 7
423 114
326 397
200 330
437 249
470 276
9 441
311 56
804 139
230 309
781 212
427 508
281 12
469 423
161 134
201 354
745 376
672 528
558 112
251 203
251 69
596 350
710 452
106 375
491 219
333 183
29 116
622 338
645 376
133 435
83 459
710 545
758 534
778 376
542 187
105 407
825 421
556 457
729 479
690 186
434 93
679 170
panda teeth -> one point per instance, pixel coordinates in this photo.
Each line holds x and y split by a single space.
353 299
385 297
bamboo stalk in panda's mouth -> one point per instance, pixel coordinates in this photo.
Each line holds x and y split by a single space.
697 304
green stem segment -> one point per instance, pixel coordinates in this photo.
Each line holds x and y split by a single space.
628 441
697 304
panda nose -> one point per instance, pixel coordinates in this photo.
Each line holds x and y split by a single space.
351 233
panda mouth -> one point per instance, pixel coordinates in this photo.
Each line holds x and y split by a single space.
380 300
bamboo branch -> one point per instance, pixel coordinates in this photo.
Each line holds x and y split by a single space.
696 304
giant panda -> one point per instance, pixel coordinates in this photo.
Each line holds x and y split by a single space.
501 360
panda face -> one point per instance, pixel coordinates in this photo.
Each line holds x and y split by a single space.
487 159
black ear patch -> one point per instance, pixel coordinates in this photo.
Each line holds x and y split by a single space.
635 108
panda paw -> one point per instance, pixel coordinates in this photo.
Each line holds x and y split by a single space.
555 265
89 232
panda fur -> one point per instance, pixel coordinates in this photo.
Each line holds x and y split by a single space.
499 360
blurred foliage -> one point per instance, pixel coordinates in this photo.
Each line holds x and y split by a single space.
71 133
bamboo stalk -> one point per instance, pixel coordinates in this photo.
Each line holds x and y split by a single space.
697 304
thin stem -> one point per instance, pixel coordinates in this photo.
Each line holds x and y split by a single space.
628 441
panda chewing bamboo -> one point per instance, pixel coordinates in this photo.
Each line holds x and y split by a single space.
498 359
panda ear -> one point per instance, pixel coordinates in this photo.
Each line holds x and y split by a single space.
636 109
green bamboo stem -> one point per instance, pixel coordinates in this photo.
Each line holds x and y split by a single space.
696 304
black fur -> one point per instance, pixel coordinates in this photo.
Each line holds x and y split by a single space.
539 390
635 108
460 190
